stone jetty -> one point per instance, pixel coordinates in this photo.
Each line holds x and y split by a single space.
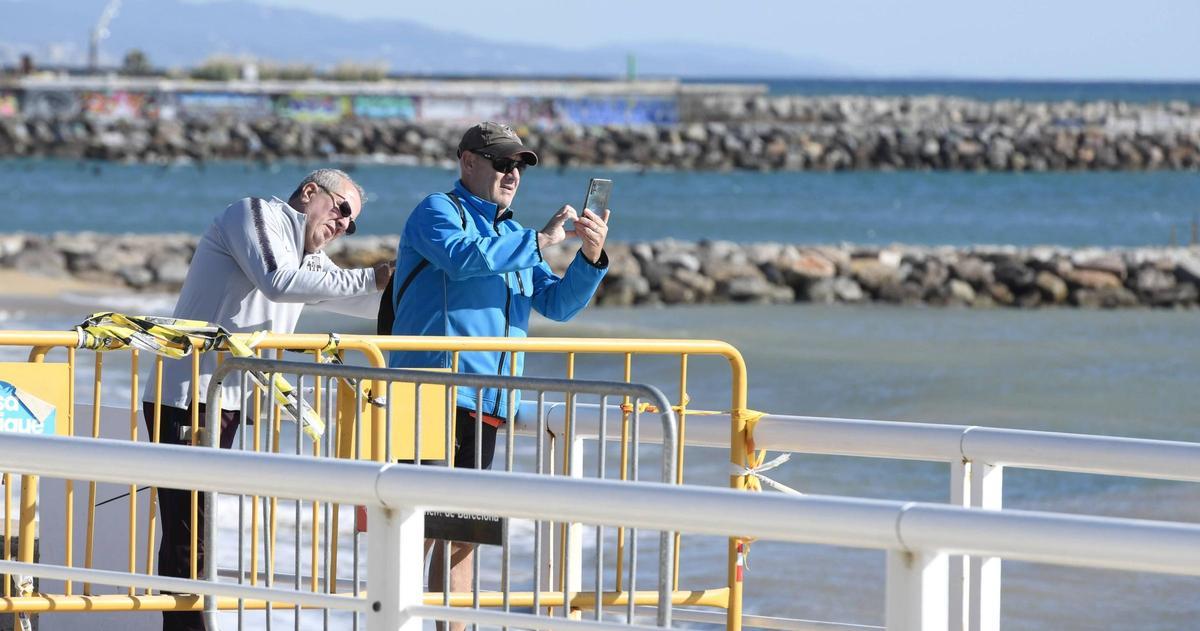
669 272
718 132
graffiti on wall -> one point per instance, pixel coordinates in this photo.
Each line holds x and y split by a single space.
618 110
317 108
113 105
394 107
203 104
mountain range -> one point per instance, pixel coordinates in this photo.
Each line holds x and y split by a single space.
177 33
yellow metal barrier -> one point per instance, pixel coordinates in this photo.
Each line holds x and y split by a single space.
627 348
42 343
372 347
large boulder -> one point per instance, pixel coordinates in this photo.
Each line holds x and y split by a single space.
1093 279
674 292
973 270
1150 279
1105 262
1054 289
872 274
755 290
831 290
621 261
622 291
798 268
1187 267
907 292
38 257
961 291
1000 293
1012 272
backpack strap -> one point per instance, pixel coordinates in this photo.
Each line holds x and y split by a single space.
387 307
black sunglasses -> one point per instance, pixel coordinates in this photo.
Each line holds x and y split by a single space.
503 165
343 208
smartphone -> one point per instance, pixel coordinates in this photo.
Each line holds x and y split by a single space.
597 196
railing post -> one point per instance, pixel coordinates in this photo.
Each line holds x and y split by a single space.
574 560
550 552
987 492
394 571
960 495
917 591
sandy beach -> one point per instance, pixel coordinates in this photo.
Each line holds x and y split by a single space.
22 285
33 302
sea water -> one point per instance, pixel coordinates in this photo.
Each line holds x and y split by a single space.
1074 209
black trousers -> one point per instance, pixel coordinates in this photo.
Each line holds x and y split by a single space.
175 508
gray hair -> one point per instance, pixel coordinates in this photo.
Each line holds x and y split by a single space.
331 179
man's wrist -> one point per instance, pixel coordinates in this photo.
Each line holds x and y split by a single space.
600 262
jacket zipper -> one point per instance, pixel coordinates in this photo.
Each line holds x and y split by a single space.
507 323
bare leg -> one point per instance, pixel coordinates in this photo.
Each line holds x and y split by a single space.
462 573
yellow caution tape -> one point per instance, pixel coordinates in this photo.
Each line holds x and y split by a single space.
177 338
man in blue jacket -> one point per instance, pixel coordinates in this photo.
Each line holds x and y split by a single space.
465 267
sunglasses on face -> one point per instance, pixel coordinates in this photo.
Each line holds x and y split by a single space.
504 165
342 207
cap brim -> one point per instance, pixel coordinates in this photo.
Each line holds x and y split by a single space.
512 149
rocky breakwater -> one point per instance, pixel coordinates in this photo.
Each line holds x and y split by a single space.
760 133
941 133
670 272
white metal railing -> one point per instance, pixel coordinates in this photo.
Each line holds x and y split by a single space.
917 537
977 457
985 450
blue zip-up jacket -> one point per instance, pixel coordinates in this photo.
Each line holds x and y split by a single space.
481 281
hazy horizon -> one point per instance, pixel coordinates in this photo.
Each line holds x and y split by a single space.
1099 41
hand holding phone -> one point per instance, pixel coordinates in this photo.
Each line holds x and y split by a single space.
593 229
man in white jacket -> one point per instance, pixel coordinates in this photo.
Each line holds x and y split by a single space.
254 269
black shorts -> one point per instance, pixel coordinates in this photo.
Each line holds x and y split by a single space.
464 442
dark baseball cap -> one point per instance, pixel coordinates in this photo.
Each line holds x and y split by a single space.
499 141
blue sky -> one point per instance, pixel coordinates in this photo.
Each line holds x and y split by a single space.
1052 39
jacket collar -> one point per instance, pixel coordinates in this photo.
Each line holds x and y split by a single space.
297 220
480 205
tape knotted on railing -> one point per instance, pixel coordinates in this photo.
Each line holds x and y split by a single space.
642 406
683 407
754 475
331 348
329 354
645 406
169 337
177 338
24 585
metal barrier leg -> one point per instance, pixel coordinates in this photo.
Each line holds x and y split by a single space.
917 589
395 546
987 492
